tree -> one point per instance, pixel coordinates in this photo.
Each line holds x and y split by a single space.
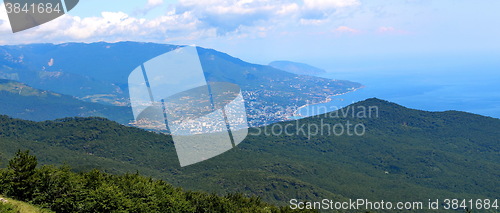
22 168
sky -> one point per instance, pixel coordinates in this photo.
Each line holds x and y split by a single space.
259 31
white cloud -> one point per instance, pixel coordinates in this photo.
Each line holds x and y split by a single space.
288 9
391 30
187 19
154 3
345 29
316 22
110 26
229 15
329 4
4 20
150 5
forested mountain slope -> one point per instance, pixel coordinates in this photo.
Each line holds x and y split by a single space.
404 154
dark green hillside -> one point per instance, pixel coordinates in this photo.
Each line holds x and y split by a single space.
406 154
87 143
22 101
59 189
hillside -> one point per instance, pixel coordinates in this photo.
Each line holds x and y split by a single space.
61 190
405 154
22 101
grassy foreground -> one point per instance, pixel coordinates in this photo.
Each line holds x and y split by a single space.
8 205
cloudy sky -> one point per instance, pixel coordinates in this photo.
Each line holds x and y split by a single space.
264 30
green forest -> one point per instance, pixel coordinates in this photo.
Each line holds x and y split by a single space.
406 154
61 190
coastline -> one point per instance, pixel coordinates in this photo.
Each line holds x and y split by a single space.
328 99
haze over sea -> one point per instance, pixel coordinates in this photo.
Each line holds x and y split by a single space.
468 82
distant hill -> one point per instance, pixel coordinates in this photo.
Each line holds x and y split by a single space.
297 68
98 72
78 69
22 101
405 154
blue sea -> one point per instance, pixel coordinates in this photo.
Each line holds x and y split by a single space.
432 84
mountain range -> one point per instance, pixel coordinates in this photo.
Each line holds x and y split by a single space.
98 73
403 154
